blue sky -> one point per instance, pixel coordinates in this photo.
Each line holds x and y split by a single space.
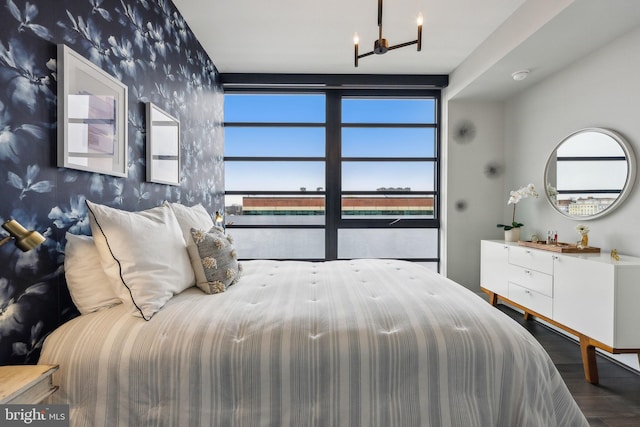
309 141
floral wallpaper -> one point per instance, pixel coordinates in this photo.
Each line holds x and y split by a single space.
148 46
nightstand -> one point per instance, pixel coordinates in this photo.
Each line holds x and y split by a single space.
26 384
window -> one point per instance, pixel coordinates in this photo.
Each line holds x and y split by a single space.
333 174
275 174
388 182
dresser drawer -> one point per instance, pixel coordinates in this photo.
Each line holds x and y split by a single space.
531 259
531 279
532 300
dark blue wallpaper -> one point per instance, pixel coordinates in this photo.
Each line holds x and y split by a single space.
148 46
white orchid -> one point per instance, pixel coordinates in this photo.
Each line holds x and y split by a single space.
522 193
515 197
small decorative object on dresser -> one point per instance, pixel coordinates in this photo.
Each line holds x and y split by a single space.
26 384
614 255
584 236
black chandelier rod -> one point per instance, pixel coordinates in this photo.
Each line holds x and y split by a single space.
404 45
379 19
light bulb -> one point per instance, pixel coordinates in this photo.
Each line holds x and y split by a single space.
420 19
356 38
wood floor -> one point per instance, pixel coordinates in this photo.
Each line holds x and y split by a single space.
615 402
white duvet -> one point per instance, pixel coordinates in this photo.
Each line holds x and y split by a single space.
341 343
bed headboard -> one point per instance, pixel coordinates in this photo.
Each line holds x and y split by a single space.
146 45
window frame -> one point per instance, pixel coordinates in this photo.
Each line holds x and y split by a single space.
334 93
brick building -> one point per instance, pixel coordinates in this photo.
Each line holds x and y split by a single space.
356 205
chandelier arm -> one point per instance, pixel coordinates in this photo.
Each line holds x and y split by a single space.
402 45
365 54
356 56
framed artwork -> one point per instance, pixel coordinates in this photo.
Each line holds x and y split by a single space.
163 146
92 116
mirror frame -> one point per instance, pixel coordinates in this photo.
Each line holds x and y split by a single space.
157 161
624 192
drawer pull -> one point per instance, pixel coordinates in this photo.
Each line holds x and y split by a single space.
528 292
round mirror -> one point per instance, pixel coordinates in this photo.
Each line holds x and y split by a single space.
589 173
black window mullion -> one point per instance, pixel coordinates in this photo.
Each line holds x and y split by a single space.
273 159
388 223
333 174
389 159
273 124
390 125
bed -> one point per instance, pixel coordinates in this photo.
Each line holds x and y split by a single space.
174 331
293 343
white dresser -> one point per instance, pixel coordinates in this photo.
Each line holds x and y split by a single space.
591 296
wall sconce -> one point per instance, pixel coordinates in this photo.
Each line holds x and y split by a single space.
25 240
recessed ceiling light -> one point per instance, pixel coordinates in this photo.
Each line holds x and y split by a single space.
520 75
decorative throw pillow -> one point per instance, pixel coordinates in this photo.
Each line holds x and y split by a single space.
218 268
89 286
144 255
191 217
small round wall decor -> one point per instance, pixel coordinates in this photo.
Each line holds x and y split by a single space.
464 132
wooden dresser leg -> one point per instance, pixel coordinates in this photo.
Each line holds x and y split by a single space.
588 352
493 300
527 315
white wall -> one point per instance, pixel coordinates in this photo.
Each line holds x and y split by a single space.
467 182
601 90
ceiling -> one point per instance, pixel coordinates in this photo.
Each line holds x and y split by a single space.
478 43
311 36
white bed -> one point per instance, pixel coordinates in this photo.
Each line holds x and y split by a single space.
340 343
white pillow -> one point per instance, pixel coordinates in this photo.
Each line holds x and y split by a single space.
191 217
89 286
144 255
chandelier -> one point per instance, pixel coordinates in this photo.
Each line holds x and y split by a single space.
381 45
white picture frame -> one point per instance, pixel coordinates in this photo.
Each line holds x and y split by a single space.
163 146
92 116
